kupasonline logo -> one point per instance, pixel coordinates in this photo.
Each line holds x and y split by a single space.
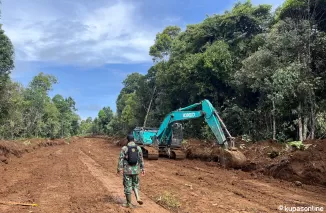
301 208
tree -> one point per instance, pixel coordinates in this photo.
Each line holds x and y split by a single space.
86 126
68 119
6 56
131 84
264 73
51 120
281 71
6 66
309 10
36 96
12 125
163 42
105 116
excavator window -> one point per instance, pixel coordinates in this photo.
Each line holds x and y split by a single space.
177 135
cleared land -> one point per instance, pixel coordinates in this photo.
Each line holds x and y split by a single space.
80 177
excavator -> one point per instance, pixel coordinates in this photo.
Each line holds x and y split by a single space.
167 139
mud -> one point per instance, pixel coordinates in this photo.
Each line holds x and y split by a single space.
81 177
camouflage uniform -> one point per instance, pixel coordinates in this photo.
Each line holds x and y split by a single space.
130 173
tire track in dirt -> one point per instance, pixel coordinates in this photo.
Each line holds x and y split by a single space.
214 189
222 200
290 196
80 177
57 181
50 188
293 195
116 190
238 189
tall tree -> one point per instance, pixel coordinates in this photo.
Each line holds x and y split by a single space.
105 116
36 96
264 72
6 66
68 118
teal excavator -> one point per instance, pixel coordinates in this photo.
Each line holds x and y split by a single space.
167 139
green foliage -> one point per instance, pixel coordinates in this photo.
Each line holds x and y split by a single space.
321 124
6 56
263 72
298 10
69 120
163 42
6 66
51 121
30 112
86 126
105 116
131 84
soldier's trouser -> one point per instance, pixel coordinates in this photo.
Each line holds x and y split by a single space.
130 182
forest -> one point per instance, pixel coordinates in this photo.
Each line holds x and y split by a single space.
262 69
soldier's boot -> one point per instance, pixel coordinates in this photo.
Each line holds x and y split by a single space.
138 197
128 204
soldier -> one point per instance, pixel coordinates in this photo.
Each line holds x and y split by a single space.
131 162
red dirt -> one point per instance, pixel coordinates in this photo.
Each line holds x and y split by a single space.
80 177
308 166
18 148
196 149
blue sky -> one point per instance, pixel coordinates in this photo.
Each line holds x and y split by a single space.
91 46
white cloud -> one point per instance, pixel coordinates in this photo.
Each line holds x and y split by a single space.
82 32
97 34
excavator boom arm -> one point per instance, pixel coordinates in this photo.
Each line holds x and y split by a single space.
207 111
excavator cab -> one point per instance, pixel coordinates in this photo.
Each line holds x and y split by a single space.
174 150
177 135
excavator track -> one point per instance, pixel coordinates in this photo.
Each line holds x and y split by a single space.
178 154
152 153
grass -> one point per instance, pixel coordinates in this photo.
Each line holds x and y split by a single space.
168 200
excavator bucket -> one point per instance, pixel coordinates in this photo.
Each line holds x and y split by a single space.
232 158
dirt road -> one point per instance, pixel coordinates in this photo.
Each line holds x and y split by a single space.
80 177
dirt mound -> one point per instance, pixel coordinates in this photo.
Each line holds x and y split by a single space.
17 148
308 166
121 142
8 148
205 150
260 154
196 149
271 158
263 149
210 151
274 159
